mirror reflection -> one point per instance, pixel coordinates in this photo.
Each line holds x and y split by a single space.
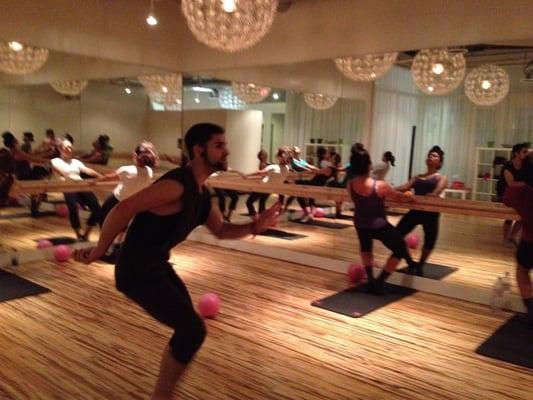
305 117
399 124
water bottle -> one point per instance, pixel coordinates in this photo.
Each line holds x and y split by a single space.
506 288
497 296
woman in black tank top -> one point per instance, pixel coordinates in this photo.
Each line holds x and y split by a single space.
431 183
370 220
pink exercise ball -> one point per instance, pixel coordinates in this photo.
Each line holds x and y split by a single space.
319 212
44 244
62 253
412 241
62 210
356 273
208 305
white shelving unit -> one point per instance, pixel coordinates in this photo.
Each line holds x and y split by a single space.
311 148
486 176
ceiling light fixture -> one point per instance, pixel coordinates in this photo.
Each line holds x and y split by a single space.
69 88
213 24
487 85
18 59
127 90
367 67
151 18
440 69
164 90
249 92
319 101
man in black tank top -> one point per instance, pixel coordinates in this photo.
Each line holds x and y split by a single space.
163 215
511 176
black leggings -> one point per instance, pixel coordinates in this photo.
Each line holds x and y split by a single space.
221 194
429 221
252 198
85 199
524 254
166 299
108 205
388 235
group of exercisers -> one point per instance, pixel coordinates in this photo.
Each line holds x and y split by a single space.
160 215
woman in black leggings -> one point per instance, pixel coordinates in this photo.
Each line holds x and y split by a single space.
430 183
370 220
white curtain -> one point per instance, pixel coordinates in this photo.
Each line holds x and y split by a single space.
394 115
453 122
343 121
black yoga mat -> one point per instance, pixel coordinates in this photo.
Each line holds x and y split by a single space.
512 342
27 214
278 234
356 302
323 224
433 271
342 216
15 287
59 240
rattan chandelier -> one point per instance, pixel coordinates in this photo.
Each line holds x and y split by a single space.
319 101
438 71
69 88
165 90
19 59
487 85
229 25
366 68
249 92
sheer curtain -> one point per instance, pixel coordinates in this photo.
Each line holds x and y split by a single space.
342 121
452 122
394 114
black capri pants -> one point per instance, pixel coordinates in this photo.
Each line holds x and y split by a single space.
108 205
85 199
524 254
388 235
429 221
166 298
221 195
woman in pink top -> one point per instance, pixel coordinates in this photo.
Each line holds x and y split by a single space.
521 199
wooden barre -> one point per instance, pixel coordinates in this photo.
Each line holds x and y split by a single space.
48 185
423 203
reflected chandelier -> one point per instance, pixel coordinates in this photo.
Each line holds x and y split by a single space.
229 101
229 25
250 92
438 71
69 88
18 59
487 85
319 101
164 90
366 68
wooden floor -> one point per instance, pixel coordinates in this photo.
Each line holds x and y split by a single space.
472 244
84 340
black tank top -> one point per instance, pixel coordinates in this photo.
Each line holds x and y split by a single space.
150 237
425 186
501 185
369 210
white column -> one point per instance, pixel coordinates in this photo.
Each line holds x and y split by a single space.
243 134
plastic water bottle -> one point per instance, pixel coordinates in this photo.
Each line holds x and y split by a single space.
506 288
497 296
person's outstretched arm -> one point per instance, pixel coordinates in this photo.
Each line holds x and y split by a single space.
159 194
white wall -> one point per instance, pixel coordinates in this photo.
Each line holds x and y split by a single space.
36 108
